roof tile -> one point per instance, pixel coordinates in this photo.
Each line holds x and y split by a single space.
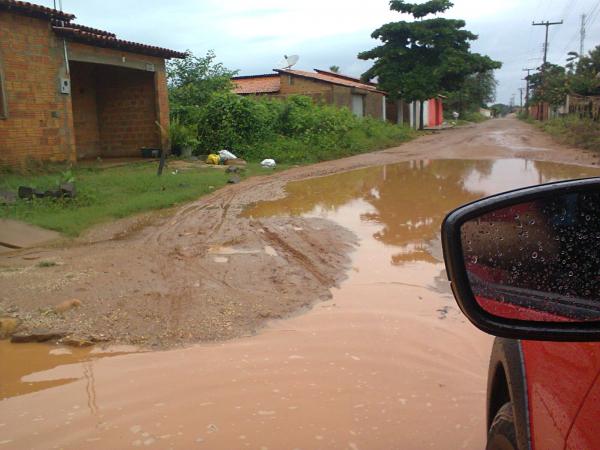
63 26
34 10
329 77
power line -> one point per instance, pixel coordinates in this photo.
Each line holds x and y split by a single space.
568 9
582 36
592 11
595 12
547 24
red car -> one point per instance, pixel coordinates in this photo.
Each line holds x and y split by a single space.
525 266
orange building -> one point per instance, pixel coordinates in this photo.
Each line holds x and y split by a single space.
71 92
362 98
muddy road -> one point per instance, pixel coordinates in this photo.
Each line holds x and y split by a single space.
381 357
208 272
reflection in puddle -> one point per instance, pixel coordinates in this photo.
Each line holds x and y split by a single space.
405 203
388 362
21 364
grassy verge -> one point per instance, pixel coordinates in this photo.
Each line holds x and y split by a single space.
111 193
294 131
468 119
372 135
582 133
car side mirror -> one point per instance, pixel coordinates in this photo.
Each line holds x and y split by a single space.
526 264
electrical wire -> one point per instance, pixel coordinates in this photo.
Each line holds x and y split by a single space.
593 15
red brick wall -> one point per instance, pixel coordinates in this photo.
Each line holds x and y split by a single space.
374 105
301 86
39 119
85 110
123 146
40 123
126 111
162 101
332 94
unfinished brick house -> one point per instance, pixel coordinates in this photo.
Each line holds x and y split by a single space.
70 92
363 99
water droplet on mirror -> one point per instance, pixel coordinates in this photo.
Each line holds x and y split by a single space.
534 255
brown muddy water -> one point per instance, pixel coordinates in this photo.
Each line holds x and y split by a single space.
388 362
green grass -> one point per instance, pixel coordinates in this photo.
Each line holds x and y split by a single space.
582 133
375 135
112 193
467 118
475 117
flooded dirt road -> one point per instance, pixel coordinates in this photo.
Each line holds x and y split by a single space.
386 362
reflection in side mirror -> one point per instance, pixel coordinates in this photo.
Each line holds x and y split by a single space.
537 260
526 264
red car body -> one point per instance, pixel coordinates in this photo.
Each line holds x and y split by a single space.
563 390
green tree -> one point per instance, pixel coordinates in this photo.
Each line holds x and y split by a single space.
584 72
334 69
425 57
500 109
193 80
549 85
476 92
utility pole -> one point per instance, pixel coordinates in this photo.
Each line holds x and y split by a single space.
527 90
546 24
582 36
521 94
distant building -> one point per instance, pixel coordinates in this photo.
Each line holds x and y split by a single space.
409 114
362 98
485 112
70 92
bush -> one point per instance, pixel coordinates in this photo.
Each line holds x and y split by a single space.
289 130
584 133
182 136
474 117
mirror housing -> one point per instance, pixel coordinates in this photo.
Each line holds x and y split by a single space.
531 325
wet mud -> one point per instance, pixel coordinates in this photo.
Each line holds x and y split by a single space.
383 359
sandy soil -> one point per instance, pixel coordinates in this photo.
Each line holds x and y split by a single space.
203 272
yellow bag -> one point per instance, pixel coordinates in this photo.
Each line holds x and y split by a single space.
213 159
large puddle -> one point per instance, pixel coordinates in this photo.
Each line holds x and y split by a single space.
388 362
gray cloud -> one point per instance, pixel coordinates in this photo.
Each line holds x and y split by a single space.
253 35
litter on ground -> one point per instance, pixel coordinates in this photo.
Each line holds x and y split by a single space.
268 163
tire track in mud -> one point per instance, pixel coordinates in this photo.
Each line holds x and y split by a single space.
300 257
135 266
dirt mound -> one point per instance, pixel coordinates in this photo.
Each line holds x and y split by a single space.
204 272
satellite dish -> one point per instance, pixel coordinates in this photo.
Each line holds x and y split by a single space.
289 61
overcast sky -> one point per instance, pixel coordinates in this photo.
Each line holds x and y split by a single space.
253 35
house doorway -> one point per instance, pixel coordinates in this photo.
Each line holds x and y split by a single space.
358 105
114 110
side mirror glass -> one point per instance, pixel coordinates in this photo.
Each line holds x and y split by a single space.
526 264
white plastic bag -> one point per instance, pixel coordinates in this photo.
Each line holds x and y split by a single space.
269 163
226 155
